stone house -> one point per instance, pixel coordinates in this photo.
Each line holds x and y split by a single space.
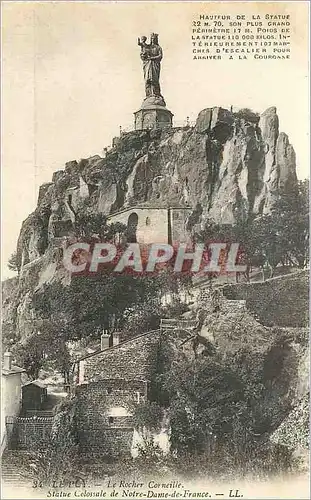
109 383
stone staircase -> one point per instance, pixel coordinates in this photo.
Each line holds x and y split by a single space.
15 470
183 327
40 413
226 305
186 325
233 306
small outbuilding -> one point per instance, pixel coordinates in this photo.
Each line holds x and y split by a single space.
34 394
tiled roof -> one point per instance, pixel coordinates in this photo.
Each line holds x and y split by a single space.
37 383
109 349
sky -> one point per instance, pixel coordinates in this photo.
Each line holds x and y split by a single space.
71 76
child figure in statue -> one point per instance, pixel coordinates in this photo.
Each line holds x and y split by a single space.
144 53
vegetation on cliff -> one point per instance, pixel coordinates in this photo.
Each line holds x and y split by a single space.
280 237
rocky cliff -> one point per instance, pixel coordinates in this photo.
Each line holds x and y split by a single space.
225 167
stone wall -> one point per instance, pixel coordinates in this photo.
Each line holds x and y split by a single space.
157 225
28 433
179 218
10 401
281 301
107 442
116 380
105 420
152 224
112 392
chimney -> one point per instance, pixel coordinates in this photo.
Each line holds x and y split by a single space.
7 363
104 341
116 338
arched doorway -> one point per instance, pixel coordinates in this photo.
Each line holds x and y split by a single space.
132 223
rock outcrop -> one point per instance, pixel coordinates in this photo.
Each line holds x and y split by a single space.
226 167
275 357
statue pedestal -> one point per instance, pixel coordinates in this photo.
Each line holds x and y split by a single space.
153 114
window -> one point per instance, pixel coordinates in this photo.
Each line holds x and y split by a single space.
110 420
109 390
148 221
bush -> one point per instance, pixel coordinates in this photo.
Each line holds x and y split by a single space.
149 415
258 460
148 451
54 462
248 115
57 458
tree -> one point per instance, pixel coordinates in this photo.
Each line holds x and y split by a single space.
13 263
206 400
241 233
89 225
138 320
30 354
45 345
291 216
281 236
92 303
